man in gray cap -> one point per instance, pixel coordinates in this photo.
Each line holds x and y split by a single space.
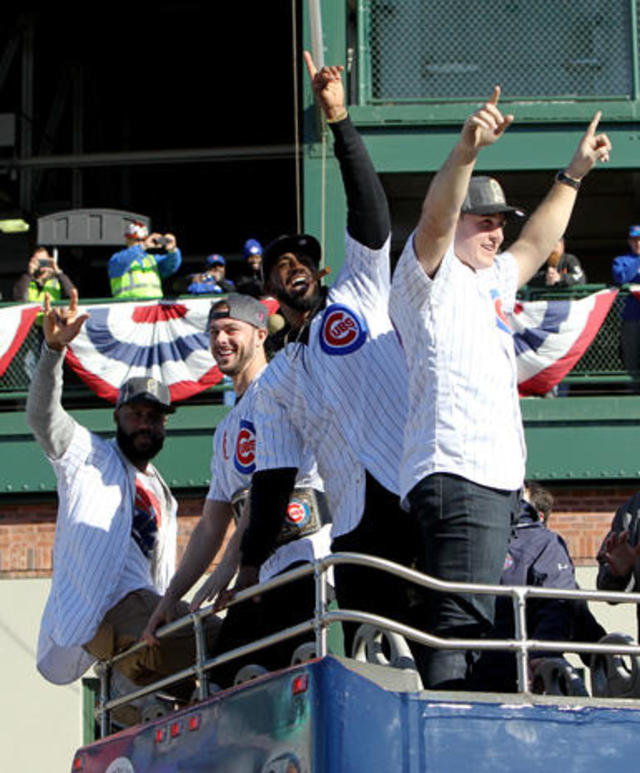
115 542
464 453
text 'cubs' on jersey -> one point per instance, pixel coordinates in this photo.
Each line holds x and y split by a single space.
233 464
464 411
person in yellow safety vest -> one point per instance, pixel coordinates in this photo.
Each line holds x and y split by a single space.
43 275
136 273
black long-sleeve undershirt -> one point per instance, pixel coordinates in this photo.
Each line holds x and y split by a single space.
270 491
368 222
368 219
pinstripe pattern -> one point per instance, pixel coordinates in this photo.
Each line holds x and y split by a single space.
96 562
464 412
289 413
367 389
348 404
227 479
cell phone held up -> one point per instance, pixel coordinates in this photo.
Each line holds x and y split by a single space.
160 241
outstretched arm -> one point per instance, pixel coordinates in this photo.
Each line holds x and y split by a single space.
441 208
47 419
204 543
368 218
549 221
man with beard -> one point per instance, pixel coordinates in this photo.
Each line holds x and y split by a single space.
339 383
238 329
115 542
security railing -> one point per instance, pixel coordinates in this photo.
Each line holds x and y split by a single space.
520 645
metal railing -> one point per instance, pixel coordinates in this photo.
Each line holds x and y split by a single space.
520 645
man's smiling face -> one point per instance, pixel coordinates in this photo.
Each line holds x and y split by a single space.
478 239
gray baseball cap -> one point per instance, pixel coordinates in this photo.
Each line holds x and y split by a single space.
145 389
486 197
242 307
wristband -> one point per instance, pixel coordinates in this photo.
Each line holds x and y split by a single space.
344 114
565 179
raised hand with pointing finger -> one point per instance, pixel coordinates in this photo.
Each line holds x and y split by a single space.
592 148
486 125
328 88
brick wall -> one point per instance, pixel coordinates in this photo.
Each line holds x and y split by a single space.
581 515
27 529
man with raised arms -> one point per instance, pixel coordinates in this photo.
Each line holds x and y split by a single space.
340 382
464 451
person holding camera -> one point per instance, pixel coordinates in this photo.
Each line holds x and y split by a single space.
212 279
137 271
43 275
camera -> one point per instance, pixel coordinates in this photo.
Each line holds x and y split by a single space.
44 262
161 241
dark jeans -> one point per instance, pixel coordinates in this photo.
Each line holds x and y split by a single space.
386 531
464 534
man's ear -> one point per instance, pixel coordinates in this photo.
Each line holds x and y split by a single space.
262 335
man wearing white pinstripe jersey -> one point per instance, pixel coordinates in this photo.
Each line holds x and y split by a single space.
115 542
341 380
464 453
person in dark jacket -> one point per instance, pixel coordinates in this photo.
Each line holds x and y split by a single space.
626 270
562 269
539 557
619 554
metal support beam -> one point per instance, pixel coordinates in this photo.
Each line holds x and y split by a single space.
26 114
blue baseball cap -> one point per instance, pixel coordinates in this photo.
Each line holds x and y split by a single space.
216 260
634 230
251 247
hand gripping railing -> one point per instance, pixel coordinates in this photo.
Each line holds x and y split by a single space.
323 618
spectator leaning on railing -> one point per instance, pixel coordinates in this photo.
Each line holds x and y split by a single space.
212 279
626 268
135 272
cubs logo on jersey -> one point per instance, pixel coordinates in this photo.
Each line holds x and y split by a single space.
298 513
245 456
342 331
501 318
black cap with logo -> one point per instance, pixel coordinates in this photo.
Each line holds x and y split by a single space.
486 197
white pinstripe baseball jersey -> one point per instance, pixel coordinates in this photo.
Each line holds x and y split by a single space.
290 411
96 560
464 411
346 390
234 462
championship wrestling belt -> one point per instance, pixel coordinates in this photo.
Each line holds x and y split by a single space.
307 513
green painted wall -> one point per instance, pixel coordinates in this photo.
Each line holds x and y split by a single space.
184 462
568 438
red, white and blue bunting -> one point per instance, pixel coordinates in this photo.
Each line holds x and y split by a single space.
162 339
551 336
15 323
168 340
